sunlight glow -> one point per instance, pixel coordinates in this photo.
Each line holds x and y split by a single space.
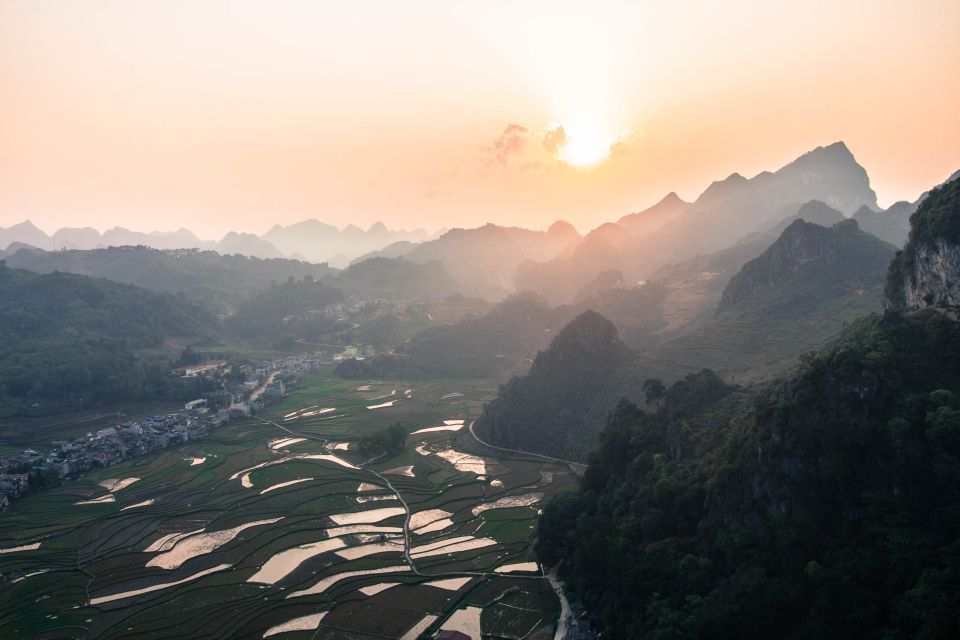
585 147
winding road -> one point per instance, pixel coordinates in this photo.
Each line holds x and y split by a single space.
578 467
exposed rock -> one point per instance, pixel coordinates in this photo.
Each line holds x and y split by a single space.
926 274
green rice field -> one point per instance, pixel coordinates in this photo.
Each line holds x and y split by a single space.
278 526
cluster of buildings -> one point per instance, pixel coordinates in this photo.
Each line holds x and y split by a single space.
247 389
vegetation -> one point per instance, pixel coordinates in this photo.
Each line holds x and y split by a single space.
828 505
91 550
796 296
68 339
937 218
286 312
388 442
202 277
571 385
395 279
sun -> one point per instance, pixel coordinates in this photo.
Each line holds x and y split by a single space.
585 147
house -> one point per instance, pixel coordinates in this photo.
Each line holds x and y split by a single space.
194 370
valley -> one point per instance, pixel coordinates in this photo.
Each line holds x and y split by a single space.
283 524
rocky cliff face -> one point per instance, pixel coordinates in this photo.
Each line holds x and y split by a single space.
926 274
932 280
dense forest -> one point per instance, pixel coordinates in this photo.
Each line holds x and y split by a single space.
71 339
285 313
826 505
558 406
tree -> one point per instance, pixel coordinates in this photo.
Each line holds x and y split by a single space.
655 392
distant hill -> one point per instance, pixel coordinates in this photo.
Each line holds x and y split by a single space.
604 249
649 220
25 233
501 341
484 260
66 338
792 298
247 244
320 242
393 250
692 288
310 240
203 277
395 279
891 225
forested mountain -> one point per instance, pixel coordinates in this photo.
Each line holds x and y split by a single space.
205 277
827 507
795 297
692 288
66 338
558 407
283 313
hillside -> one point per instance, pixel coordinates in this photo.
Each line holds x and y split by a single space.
219 282
692 288
826 507
284 313
484 260
66 338
557 408
794 297
394 279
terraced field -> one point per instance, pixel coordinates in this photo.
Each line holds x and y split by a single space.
278 526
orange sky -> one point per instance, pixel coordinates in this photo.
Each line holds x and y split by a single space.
225 116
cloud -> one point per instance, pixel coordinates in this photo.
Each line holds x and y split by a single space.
510 143
554 139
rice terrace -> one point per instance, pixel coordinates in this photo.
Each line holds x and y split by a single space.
279 526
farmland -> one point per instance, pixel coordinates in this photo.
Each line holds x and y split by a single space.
280 526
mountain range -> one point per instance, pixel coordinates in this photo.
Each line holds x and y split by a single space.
734 219
310 240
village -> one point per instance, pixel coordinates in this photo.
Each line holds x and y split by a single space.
247 390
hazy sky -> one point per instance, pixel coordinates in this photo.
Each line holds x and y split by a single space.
239 115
